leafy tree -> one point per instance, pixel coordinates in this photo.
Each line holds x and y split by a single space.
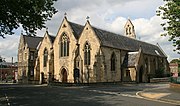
31 14
175 61
170 12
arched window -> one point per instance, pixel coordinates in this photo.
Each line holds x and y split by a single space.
87 54
45 57
64 45
126 31
129 30
113 62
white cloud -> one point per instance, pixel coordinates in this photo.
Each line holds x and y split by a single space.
8 47
149 30
110 15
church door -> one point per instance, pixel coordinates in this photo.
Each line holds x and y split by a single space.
64 75
76 75
42 78
140 74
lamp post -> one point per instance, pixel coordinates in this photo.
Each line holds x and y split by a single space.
1 71
1 66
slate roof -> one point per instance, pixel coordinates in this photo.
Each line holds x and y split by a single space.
130 59
32 41
52 38
77 29
113 40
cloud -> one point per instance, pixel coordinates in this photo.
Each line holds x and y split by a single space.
9 47
149 30
110 15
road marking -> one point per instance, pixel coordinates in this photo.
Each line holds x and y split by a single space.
154 95
7 99
116 93
139 96
174 102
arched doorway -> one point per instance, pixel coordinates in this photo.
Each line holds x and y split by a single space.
64 75
76 75
42 80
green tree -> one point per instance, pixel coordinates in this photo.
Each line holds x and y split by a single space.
30 14
176 61
170 12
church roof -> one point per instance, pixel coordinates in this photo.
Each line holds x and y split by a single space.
113 40
77 29
32 41
130 59
52 38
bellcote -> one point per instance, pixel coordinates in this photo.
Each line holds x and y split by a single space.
129 29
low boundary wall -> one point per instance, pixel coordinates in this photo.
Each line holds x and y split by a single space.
173 85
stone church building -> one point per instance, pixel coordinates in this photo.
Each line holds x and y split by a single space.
86 54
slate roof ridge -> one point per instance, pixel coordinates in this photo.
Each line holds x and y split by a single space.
143 42
111 39
75 23
32 41
77 29
123 36
130 60
52 38
107 31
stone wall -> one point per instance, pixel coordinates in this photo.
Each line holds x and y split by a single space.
67 62
88 35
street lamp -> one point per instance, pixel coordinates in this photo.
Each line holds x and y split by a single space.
1 71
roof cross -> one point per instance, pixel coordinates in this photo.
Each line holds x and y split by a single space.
65 14
87 17
46 29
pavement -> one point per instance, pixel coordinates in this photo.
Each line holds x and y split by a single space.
162 94
11 84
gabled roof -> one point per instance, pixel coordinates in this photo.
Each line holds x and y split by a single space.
130 59
77 29
52 38
32 41
128 22
113 40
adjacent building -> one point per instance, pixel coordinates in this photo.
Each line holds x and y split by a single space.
86 54
27 54
8 70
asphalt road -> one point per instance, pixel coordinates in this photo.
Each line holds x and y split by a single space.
115 95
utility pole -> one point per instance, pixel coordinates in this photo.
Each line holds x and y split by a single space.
1 71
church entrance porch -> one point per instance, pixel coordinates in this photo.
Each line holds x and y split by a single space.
76 75
64 75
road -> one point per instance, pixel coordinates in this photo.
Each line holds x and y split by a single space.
111 95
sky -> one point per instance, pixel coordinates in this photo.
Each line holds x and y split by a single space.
110 15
